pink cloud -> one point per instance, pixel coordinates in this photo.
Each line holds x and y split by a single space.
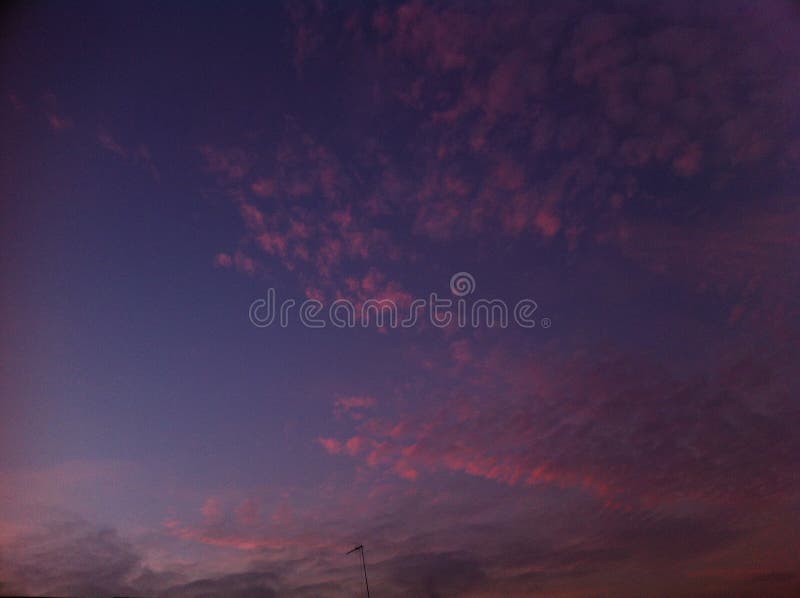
461 351
515 215
283 514
232 163
508 175
263 187
547 223
438 219
247 513
109 143
58 123
331 445
273 243
730 259
349 403
405 471
212 510
584 423
16 102
356 445
440 37
252 216
688 163
506 89
237 541
244 263
223 260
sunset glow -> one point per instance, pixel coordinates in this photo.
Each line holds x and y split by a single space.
506 292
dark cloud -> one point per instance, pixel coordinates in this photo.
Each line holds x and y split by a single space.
434 574
70 557
237 585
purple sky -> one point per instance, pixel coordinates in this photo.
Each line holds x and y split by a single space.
631 167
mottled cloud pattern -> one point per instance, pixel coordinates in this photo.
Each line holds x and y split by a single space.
660 120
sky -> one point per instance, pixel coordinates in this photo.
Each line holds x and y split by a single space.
626 172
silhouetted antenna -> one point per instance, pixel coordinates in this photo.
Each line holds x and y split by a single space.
363 563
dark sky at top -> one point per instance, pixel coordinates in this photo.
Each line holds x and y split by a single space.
631 167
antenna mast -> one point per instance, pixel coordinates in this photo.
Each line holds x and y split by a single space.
360 547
